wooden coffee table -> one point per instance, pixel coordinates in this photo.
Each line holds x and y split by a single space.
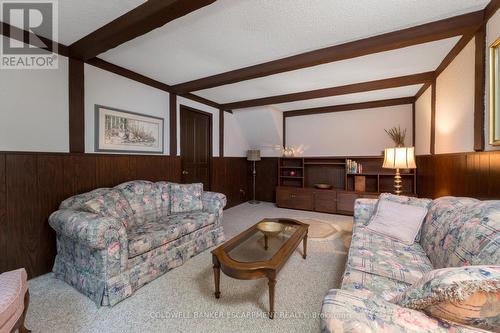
251 255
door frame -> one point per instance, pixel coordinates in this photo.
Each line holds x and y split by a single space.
211 125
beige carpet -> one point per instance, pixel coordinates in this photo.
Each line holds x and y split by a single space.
182 300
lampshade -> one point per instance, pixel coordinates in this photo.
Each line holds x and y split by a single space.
399 158
253 155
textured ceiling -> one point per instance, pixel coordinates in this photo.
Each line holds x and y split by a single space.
78 18
375 95
410 60
232 34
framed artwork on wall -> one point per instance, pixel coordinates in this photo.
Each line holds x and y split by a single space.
127 132
495 93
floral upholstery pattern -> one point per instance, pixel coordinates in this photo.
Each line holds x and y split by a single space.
112 204
186 197
380 255
149 236
349 311
94 250
440 287
456 232
145 200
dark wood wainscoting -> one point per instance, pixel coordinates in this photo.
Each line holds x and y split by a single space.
266 180
33 184
472 174
230 176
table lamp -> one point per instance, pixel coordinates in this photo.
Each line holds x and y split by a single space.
399 158
253 156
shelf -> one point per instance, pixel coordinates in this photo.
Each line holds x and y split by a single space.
378 174
324 163
291 167
292 177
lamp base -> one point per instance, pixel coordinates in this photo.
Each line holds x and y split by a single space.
398 183
254 202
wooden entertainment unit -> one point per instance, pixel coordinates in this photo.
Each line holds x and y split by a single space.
298 175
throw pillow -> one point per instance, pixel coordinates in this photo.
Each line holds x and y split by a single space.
420 202
185 197
397 221
467 295
111 204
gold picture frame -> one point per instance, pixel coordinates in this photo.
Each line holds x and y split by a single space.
494 77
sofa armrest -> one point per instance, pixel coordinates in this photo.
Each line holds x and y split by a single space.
88 229
363 211
213 202
364 312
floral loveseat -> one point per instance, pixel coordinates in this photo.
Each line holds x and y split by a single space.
112 241
456 232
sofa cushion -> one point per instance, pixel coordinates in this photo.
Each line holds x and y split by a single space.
13 286
398 221
381 286
347 311
144 198
186 197
111 204
412 201
148 236
462 231
467 295
376 254
164 189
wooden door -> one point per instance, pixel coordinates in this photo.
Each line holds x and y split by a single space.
196 145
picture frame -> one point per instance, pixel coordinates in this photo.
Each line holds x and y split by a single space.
494 80
123 131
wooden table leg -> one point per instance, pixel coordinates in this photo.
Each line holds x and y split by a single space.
271 284
266 242
304 243
216 267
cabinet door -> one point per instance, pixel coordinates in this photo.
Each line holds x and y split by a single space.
325 201
345 202
294 198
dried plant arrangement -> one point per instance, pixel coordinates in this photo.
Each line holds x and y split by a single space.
397 135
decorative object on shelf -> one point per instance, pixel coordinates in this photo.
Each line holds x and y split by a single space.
399 158
127 132
293 173
354 167
397 135
494 76
359 183
323 186
288 152
253 156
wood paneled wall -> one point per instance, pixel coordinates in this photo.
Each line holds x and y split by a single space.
266 180
230 176
472 174
33 184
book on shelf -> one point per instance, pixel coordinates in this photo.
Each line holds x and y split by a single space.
354 167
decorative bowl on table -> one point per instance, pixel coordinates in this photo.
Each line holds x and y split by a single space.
270 228
323 186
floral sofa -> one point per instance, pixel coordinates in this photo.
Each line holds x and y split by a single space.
112 241
456 232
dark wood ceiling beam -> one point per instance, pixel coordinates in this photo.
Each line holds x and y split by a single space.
429 32
350 107
491 9
394 82
139 21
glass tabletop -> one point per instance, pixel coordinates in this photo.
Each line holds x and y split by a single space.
253 248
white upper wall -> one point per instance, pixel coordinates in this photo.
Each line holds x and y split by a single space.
455 104
34 109
357 132
492 33
235 143
115 91
423 110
